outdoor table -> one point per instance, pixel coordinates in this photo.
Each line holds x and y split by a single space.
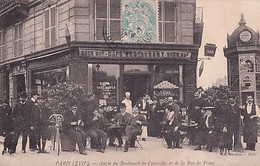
190 129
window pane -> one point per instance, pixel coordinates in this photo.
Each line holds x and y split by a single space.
115 30
15 48
101 8
15 32
160 10
101 27
53 16
169 32
20 31
53 36
160 32
20 47
47 20
106 83
47 38
115 9
169 11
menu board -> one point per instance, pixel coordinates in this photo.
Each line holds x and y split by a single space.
106 92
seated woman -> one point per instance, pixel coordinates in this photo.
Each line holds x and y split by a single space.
170 128
205 128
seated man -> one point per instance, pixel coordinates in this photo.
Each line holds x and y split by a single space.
134 128
73 126
121 119
205 129
95 128
171 128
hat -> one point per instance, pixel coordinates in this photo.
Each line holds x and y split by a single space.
23 94
90 95
170 98
122 105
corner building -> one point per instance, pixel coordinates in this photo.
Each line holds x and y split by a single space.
112 46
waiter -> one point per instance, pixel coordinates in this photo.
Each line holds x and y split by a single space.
250 113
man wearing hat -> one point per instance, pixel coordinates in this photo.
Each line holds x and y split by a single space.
42 114
128 103
121 119
232 118
33 104
22 120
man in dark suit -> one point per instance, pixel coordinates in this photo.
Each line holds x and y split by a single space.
121 119
42 114
22 120
73 126
134 128
33 104
95 127
143 107
232 118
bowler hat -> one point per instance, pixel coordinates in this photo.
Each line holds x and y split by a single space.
23 94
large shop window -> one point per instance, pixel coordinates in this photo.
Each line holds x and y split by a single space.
166 81
108 20
48 78
167 25
104 83
2 45
50 17
18 39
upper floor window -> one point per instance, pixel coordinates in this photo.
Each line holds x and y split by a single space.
2 45
50 33
167 21
108 20
18 40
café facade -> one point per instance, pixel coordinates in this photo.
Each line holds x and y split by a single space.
73 41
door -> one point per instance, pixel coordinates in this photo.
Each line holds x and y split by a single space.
137 85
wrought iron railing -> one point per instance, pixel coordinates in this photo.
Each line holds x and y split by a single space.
199 15
7 3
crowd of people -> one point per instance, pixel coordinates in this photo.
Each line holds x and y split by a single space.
217 125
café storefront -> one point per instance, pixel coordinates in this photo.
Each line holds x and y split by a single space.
159 73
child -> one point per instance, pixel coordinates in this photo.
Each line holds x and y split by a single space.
226 142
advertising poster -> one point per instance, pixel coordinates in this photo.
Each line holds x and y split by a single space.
247 63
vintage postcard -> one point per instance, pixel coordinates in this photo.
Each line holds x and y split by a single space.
129 82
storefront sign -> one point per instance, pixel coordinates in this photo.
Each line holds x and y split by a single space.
210 49
247 82
135 54
246 63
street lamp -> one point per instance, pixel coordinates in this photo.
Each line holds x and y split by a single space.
68 36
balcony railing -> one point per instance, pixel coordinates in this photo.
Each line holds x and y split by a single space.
13 11
9 3
199 15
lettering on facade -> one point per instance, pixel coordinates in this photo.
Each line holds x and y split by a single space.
134 54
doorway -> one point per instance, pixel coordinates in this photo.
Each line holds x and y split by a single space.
137 85
19 86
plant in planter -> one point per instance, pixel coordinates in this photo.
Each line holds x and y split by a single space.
62 96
